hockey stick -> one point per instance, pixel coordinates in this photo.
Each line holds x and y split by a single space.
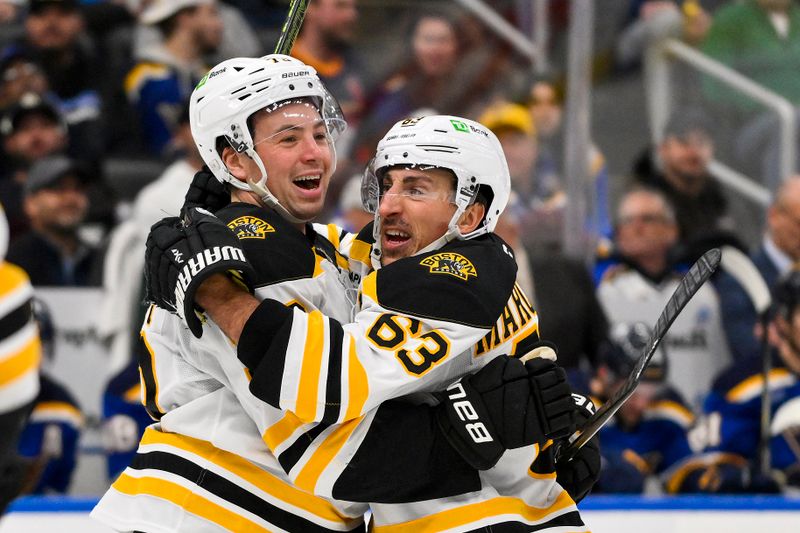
294 19
689 285
742 269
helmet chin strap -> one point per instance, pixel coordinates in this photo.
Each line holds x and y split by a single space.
260 188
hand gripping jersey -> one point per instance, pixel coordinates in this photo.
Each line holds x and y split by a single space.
389 454
205 467
20 348
421 323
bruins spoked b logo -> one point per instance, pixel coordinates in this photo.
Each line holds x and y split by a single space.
450 263
248 227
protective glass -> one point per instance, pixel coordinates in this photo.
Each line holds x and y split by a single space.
377 185
296 119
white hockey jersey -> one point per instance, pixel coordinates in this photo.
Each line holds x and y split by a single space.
379 455
695 344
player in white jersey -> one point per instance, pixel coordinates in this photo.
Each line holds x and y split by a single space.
20 353
455 330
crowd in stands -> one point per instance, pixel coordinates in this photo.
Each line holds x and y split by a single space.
87 83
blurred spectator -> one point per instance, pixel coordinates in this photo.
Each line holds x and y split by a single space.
452 67
55 40
779 249
351 214
648 436
325 43
732 412
562 293
124 418
18 387
123 308
540 198
12 13
638 282
679 168
167 72
761 40
30 130
20 75
545 105
237 39
651 20
50 439
52 252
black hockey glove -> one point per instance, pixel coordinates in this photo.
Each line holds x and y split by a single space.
579 475
505 405
206 191
181 254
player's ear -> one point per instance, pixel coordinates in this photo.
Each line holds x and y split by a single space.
471 218
235 162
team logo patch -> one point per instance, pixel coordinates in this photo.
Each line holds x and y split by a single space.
450 263
248 227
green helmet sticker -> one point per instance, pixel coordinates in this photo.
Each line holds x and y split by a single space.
459 126
202 82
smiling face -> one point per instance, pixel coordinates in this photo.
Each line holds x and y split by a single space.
415 209
294 145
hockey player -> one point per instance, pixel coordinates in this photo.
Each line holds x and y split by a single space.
303 270
20 352
731 420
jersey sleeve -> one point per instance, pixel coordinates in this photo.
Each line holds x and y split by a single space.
347 461
421 325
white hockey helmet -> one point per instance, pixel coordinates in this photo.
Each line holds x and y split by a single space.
3 234
465 147
234 90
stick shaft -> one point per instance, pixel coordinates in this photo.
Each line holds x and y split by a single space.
294 19
689 285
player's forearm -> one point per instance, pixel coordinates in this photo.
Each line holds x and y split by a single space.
228 304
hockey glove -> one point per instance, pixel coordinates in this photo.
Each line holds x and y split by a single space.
501 407
579 475
181 255
206 191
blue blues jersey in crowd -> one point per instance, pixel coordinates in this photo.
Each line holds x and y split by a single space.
51 436
124 418
732 411
658 445
158 91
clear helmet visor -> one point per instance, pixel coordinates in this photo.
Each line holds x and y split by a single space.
414 183
298 119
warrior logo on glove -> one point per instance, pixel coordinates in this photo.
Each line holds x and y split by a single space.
200 261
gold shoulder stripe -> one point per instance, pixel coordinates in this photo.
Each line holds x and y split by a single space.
359 251
358 385
369 287
308 387
324 454
24 361
281 430
12 278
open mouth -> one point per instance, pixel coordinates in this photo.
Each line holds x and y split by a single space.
396 237
308 183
